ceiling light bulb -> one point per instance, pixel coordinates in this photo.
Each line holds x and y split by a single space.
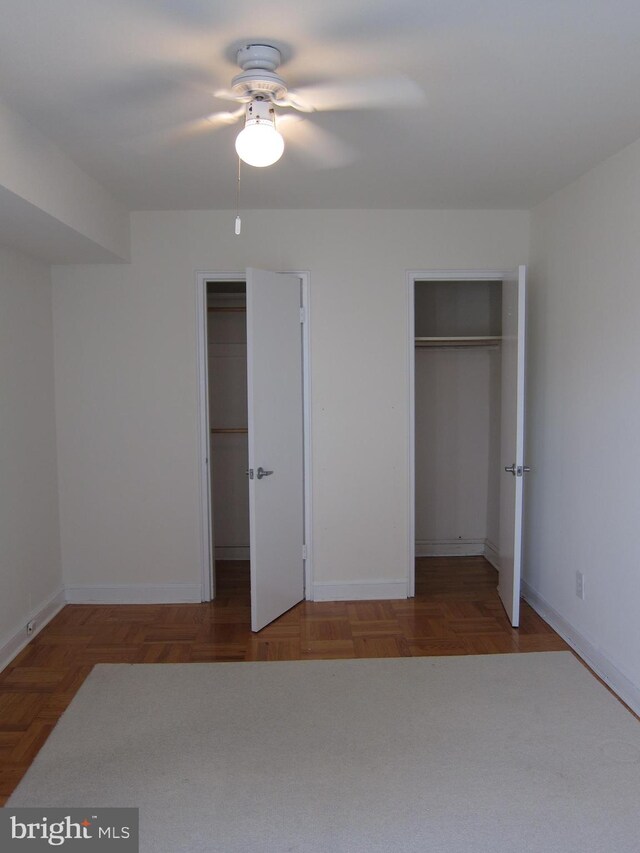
259 143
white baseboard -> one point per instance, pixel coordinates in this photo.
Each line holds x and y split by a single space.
450 547
359 590
41 615
491 554
237 552
169 593
599 662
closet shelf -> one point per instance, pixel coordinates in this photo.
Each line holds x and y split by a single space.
229 430
227 309
467 341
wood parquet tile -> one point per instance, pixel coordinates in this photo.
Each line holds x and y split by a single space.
456 611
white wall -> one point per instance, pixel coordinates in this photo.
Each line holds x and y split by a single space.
229 453
457 429
583 496
126 387
495 470
60 210
455 422
30 573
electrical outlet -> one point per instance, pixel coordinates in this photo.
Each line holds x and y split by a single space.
580 585
31 627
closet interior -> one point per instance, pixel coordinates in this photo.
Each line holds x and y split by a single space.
227 391
458 327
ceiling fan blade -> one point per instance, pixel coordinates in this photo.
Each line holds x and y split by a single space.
170 137
400 18
226 117
294 102
194 14
316 146
143 86
228 95
137 101
394 91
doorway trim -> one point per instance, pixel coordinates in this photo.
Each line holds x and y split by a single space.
206 528
412 277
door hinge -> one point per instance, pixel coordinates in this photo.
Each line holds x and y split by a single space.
304 552
302 315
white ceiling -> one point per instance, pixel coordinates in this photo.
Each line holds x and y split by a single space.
522 96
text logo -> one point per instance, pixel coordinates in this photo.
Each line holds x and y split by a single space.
70 829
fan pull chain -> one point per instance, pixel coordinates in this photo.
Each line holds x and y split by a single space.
238 220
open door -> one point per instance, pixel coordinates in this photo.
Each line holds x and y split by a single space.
276 454
512 441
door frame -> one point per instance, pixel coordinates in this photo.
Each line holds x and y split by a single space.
412 277
207 544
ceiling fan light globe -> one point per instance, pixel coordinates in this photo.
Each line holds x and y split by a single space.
259 144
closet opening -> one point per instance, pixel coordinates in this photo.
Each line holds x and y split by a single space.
226 332
457 325
254 422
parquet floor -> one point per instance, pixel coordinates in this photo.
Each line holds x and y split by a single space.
456 611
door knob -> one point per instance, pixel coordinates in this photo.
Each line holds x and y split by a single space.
262 473
517 470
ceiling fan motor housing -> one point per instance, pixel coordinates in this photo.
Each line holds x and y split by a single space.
258 77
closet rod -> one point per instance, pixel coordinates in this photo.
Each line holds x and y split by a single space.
227 309
229 430
471 341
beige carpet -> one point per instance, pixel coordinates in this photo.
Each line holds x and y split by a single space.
495 753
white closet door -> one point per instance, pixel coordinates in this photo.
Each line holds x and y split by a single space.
275 420
512 441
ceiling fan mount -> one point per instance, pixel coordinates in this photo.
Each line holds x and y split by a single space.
258 78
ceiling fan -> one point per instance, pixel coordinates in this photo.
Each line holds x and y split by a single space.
261 91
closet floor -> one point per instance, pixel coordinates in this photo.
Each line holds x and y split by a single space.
456 611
